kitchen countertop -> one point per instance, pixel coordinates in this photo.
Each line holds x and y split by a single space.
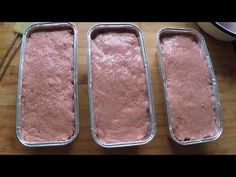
224 62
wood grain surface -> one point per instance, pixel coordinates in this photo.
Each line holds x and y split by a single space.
224 62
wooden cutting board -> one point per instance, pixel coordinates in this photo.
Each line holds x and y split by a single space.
224 62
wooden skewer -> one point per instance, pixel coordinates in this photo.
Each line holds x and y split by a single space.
17 35
2 67
18 29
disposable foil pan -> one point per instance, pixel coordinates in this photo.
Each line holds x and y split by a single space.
219 122
34 28
117 27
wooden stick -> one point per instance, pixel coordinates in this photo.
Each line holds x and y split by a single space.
17 35
9 61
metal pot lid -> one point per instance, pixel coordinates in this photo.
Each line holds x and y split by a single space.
227 27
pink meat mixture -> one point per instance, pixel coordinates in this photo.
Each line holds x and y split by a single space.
47 95
190 98
119 88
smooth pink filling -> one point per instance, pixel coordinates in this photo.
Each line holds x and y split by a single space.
190 97
119 88
47 95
